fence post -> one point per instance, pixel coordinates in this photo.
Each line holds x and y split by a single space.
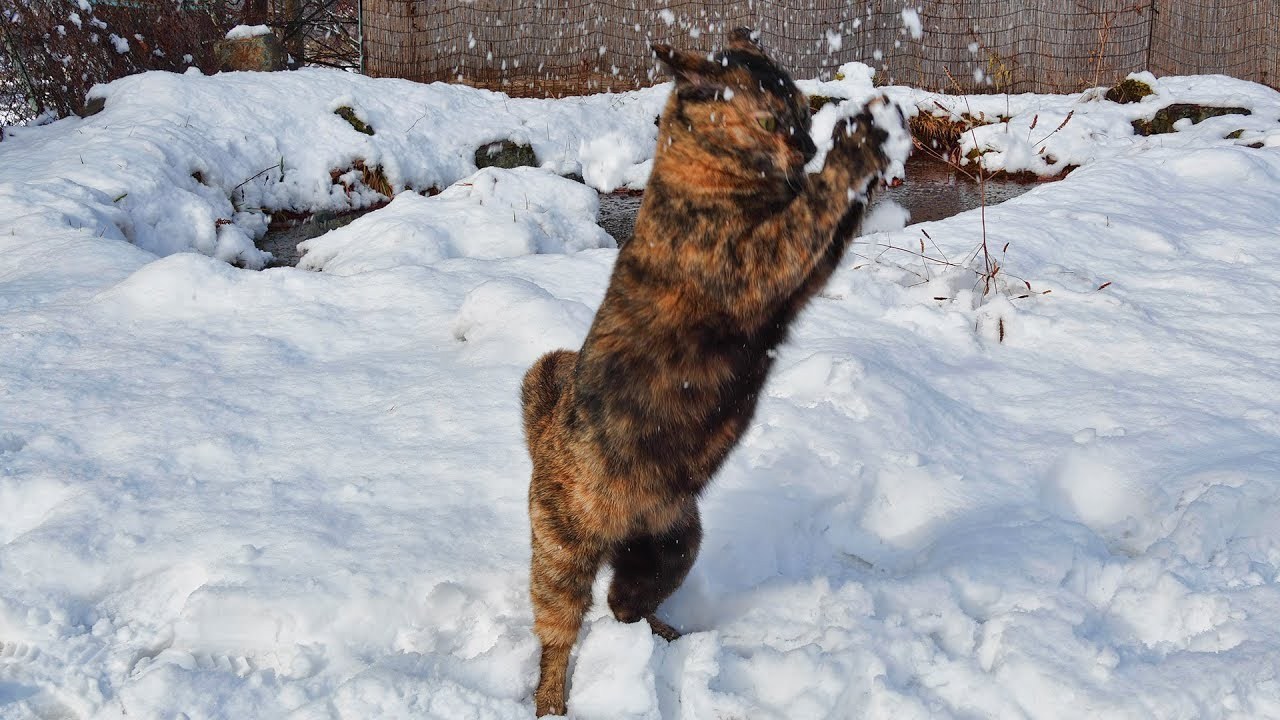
1151 32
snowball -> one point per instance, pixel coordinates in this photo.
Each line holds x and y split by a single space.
911 21
885 216
834 40
608 162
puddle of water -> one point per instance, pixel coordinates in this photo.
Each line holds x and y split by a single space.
282 242
932 190
618 215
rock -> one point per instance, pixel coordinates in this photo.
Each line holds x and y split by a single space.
1129 91
817 102
92 106
346 113
263 53
505 154
1166 117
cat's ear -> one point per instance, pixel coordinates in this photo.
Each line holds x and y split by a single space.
745 39
689 68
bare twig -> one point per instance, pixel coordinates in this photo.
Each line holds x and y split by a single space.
260 173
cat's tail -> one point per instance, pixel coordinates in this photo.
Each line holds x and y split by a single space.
543 384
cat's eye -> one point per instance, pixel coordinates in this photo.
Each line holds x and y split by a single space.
768 122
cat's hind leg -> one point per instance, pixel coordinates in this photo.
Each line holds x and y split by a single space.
565 555
648 568
563 569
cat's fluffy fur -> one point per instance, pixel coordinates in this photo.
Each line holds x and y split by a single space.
732 240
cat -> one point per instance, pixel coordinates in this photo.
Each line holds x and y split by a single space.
732 240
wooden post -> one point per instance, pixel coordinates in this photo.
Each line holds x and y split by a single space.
1151 31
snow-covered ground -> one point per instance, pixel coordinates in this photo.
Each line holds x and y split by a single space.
227 493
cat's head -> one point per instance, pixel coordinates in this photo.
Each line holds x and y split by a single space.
740 108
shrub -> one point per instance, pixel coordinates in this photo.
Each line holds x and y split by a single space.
53 51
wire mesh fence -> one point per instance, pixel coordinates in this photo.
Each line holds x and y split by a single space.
563 47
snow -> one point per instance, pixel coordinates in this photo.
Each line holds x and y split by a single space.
615 160
242 32
834 40
228 148
1075 130
232 493
493 214
911 22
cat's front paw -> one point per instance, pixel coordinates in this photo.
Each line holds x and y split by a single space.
858 145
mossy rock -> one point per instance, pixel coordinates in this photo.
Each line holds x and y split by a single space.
348 114
817 102
1165 117
260 53
92 106
1129 91
505 154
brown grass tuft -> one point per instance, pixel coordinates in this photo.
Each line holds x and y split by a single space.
371 177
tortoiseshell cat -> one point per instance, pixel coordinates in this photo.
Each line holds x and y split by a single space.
732 239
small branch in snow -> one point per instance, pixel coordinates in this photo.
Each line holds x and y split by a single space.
260 173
